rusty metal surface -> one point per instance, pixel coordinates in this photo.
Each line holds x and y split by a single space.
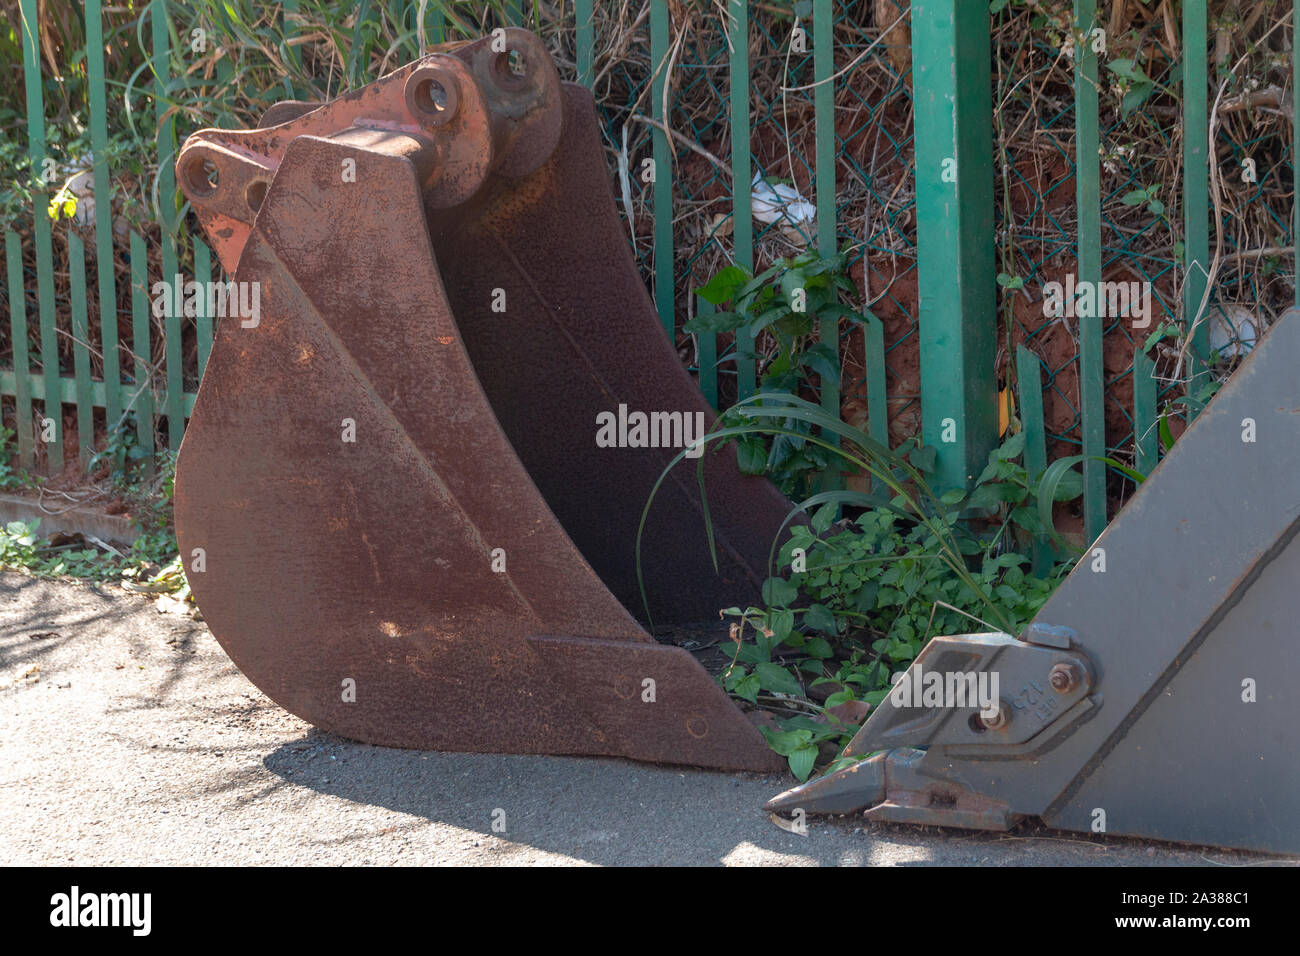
286 110
651 700
360 583
490 120
576 340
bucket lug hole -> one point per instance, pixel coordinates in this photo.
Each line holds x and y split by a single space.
203 176
431 95
254 193
511 67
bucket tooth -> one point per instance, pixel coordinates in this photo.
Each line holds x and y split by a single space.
409 534
894 786
847 790
1153 699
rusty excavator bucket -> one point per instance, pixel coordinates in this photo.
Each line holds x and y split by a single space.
397 518
1155 693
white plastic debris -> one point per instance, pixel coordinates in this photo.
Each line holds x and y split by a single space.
1233 331
782 205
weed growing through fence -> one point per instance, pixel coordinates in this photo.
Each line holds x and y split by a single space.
785 301
144 484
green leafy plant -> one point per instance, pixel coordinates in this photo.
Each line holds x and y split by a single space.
23 547
8 477
18 543
1147 194
858 600
1136 87
786 301
851 601
123 455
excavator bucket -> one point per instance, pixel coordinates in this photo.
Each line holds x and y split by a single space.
399 515
1155 694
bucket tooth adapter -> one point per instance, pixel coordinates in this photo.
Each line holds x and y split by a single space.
397 517
1155 693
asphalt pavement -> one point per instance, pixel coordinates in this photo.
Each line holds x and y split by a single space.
128 737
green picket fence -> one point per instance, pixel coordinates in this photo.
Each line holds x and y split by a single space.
142 391
958 310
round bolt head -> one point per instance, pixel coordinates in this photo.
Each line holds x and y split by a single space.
1065 677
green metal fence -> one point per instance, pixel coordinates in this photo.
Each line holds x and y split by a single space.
879 117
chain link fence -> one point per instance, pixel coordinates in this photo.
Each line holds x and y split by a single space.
1035 185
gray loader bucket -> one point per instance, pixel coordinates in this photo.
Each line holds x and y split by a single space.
1155 694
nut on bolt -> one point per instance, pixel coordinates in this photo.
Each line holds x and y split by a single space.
998 720
1065 677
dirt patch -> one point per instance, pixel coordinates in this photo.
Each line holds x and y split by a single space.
1055 341
893 282
1041 181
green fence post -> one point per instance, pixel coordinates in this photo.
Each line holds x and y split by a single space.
707 348
174 407
742 213
141 395
41 233
828 331
104 264
202 320
873 360
663 175
290 8
1088 181
873 348
1029 378
954 236
1146 445
81 347
1196 184
18 336
584 40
